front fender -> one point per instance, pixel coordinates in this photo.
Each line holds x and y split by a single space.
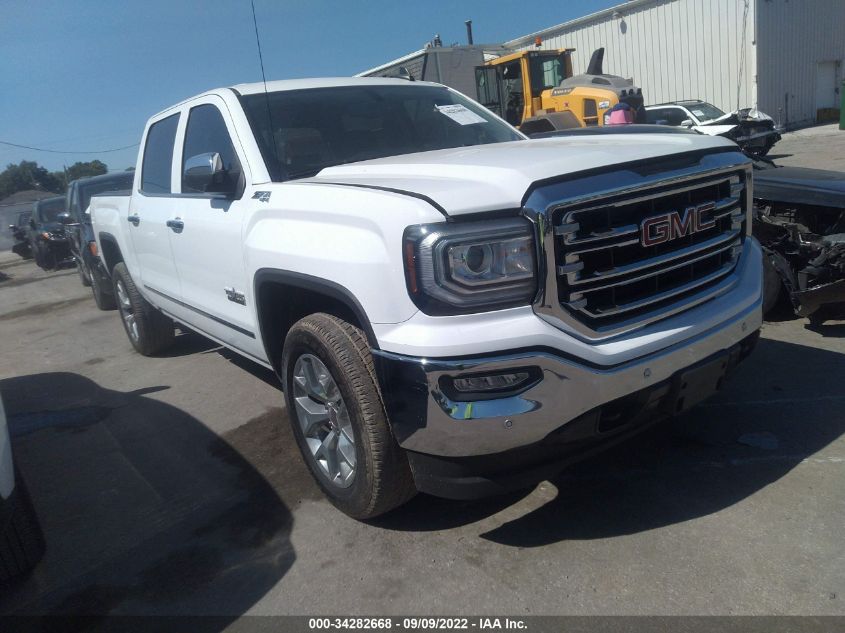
349 236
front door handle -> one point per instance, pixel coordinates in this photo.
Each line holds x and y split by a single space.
176 225
135 219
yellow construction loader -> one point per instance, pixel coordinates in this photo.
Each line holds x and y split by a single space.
536 91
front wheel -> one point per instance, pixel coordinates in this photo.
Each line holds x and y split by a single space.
149 331
338 418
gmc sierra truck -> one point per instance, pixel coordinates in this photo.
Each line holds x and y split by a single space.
451 307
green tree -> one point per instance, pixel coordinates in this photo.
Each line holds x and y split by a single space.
84 170
28 175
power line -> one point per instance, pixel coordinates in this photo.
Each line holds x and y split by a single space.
61 151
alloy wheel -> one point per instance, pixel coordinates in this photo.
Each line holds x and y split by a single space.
324 419
127 313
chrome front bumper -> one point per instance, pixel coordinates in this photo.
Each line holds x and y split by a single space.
425 420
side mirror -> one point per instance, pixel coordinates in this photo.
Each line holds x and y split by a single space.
65 218
687 123
204 172
32 224
12 227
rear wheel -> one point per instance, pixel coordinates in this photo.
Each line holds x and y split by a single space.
104 299
84 277
149 331
338 418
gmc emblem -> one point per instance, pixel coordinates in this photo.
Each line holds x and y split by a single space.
670 226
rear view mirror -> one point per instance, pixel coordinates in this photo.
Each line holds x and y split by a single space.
65 218
204 173
686 123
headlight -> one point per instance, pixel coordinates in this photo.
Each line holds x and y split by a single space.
470 267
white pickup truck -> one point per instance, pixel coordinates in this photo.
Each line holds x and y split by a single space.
450 306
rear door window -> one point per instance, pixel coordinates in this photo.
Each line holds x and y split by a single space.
158 156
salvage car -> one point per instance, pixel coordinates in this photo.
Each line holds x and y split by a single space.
749 128
20 234
21 539
48 238
799 219
83 247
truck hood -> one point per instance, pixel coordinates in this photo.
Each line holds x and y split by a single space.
493 177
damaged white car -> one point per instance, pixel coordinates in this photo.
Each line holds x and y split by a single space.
752 130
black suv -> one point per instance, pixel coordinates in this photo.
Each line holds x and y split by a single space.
81 233
47 236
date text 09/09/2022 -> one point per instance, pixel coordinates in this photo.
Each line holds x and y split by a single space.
413 623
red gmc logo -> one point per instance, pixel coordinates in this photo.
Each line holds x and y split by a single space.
670 226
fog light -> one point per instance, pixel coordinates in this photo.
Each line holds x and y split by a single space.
502 384
490 383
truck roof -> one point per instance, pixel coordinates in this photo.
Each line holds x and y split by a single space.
317 82
296 84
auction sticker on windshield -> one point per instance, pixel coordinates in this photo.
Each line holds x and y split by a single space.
460 114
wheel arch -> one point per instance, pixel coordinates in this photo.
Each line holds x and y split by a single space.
110 251
283 297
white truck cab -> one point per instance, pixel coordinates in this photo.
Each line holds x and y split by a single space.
450 306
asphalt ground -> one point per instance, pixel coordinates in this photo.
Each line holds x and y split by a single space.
172 485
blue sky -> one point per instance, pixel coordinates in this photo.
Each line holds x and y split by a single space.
87 74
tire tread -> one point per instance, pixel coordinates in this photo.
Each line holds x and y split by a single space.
392 482
21 540
156 331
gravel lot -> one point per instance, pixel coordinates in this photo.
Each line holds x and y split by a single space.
173 485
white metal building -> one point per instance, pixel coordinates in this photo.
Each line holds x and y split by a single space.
783 56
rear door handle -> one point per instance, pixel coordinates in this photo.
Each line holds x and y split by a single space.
176 225
135 219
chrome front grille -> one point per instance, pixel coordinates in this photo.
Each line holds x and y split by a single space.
608 278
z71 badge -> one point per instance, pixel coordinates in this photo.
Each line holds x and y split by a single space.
262 196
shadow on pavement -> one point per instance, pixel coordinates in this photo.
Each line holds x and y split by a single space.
189 342
784 405
144 510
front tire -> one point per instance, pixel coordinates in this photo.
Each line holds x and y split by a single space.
772 285
21 538
149 331
338 418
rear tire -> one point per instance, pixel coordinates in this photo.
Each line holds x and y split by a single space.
21 539
102 298
83 276
149 331
335 407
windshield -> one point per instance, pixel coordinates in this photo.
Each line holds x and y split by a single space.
705 111
118 182
547 71
49 210
308 130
